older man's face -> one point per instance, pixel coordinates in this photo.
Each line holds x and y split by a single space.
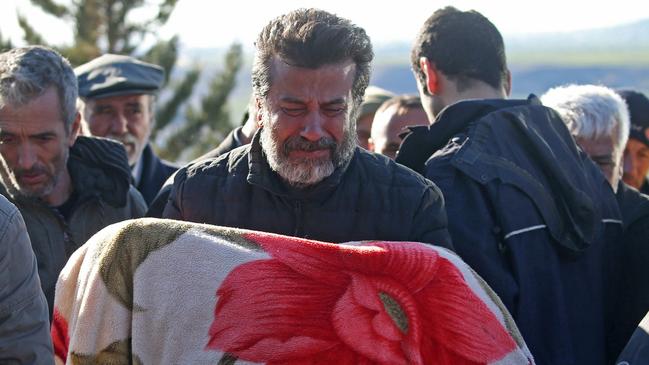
606 153
306 127
124 118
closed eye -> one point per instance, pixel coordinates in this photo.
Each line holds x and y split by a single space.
294 112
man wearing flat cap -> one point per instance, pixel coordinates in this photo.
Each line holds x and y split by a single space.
118 94
636 152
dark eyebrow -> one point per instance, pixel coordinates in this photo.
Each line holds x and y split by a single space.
43 134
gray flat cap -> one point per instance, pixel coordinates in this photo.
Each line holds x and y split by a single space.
111 75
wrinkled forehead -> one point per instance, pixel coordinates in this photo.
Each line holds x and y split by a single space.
325 83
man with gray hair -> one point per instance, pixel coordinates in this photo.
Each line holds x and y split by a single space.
598 118
67 187
303 174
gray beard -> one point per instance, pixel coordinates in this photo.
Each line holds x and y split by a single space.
13 187
306 172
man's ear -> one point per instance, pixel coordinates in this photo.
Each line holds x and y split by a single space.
259 112
508 83
74 129
431 74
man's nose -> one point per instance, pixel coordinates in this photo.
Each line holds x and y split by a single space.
119 125
26 156
313 127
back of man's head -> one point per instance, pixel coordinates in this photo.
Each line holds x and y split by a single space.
463 45
312 38
26 73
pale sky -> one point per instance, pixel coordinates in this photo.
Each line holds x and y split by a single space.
205 24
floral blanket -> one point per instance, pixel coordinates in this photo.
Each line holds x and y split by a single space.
152 291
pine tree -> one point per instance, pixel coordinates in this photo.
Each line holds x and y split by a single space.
5 44
103 26
206 126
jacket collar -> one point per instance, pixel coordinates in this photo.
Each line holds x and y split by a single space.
260 174
99 167
423 141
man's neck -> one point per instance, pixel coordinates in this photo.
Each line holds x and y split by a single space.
61 192
479 90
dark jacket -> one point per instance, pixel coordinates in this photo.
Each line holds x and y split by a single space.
369 198
231 141
101 179
155 172
636 351
634 296
532 215
24 322
644 189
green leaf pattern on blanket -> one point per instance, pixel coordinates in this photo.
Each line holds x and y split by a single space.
117 353
228 359
120 257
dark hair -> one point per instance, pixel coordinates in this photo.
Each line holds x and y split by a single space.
464 46
312 38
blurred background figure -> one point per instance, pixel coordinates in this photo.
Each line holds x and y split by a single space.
373 98
391 119
636 153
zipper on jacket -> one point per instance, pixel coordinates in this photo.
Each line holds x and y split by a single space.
298 219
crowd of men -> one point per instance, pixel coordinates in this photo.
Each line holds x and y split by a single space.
542 197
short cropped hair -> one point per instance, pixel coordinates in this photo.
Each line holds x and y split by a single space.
312 38
464 45
590 111
27 72
403 102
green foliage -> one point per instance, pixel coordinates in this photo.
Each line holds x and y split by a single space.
5 44
182 91
31 36
205 127
104 26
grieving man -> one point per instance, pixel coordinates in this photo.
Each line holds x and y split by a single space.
66 186
303 174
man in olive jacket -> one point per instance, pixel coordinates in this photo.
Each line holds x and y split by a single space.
303 174
66 187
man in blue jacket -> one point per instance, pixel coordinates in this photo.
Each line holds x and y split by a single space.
526 209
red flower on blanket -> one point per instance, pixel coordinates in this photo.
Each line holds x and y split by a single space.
386 303
60 337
